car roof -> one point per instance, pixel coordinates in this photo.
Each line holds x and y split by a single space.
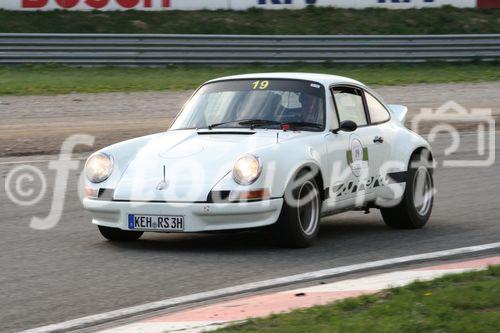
325 79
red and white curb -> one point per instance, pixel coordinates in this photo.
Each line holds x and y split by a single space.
89 321
210 317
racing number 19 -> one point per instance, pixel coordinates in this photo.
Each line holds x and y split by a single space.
261 85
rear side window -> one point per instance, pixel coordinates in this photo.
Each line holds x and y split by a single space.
378 113
349 103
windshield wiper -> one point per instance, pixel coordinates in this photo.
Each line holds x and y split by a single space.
258 122
220 124
303 124
252 123
247 122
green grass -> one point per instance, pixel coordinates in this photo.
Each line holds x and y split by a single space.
50 80
464 303
312 20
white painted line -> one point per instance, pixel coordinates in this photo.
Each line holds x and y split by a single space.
38 161
379 281
250 287
177 327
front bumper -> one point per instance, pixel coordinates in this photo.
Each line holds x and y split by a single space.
197 216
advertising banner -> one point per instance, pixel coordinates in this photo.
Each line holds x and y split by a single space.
488 3
394 4
156 5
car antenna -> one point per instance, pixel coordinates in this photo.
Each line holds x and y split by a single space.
277 137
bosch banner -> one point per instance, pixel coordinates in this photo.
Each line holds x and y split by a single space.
232 4
488 3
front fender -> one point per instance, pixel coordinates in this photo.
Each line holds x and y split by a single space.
123 153
281 163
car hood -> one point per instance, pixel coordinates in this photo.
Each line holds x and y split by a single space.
184 165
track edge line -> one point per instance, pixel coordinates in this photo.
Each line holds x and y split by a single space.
106 317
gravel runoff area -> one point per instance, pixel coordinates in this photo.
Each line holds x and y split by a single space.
33 125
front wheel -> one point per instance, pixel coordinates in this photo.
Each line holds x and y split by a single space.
298 224
415 208
118 235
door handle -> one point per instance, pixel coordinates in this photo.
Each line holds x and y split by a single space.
378 139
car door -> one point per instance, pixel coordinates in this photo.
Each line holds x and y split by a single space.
350 105
368 146
336 171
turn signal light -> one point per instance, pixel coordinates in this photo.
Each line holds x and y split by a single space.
91 193
259 194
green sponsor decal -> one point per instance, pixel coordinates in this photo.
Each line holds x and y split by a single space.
349 155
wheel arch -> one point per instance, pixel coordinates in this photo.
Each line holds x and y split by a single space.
317 176
419 150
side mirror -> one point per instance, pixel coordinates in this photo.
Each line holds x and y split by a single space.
346 126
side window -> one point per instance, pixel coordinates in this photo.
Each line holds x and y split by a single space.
349 102
378 113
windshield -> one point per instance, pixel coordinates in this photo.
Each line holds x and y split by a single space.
244 103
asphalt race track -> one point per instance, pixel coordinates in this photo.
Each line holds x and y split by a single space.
69 271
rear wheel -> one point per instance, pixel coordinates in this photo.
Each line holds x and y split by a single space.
118 235
298 224
415 208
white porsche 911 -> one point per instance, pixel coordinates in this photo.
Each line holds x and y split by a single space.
280 150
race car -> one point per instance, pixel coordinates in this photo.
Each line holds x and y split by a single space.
276 151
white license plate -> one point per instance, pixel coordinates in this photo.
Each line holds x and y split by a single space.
156 222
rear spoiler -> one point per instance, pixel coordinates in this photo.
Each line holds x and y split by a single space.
399 111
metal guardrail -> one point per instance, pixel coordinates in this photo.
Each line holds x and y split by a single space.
154 50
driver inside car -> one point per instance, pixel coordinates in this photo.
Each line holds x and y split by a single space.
310 110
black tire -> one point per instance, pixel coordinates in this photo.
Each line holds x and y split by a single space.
298 223
408 214
118 235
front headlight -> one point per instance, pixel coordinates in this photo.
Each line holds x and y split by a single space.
99 167
247 169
